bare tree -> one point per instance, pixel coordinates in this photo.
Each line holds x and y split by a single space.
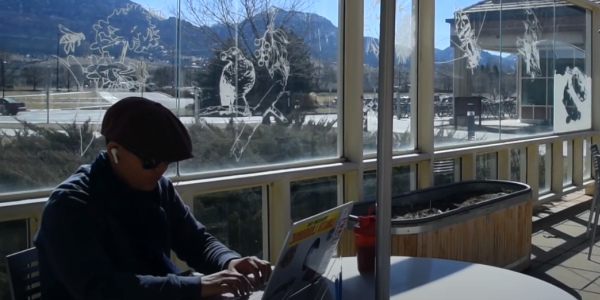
244 20
373 78
5 56
65 77
34 75
444 77
329 75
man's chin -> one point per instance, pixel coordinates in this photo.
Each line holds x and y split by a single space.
148 187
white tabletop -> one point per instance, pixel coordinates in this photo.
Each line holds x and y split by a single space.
429 279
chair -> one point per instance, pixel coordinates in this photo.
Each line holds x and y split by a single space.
594 209
595 152
23 275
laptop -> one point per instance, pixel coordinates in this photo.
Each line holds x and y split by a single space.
306 255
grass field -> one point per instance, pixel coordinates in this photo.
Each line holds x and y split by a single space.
64 99
58 100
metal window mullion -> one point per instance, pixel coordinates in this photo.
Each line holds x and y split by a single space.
350 89
422 122
595 68
384 147
265 222
503 163
533 170
557 170
577 161
280 218
468 166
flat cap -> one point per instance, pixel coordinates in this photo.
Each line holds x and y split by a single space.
147 128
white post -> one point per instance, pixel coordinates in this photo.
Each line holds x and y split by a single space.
384 148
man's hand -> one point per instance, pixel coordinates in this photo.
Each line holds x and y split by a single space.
260 269
225 282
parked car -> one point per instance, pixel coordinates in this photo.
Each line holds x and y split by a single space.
10 106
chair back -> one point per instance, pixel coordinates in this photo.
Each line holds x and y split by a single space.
596 161
23 275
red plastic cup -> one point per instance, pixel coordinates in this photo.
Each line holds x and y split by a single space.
364 239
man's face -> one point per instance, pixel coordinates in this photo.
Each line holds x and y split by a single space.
139 172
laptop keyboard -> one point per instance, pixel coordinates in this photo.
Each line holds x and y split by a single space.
257 294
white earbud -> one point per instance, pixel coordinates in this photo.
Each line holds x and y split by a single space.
114 154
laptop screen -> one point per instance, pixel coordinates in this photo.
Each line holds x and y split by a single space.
309 247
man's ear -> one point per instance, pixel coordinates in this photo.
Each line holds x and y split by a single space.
113 151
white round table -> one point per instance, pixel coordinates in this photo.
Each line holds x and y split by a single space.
429 279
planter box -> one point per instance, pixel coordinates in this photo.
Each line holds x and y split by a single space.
495 231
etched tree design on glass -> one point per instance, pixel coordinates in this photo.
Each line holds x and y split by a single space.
107 72
100 67
468 39
527 45
271 53
237 70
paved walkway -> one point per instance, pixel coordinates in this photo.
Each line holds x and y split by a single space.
559 247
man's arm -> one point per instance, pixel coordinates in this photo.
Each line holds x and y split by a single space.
69 237
192 243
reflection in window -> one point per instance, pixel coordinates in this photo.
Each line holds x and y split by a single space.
567 163
518 165
545 161
403 180
522 70
234 218
14 237
486 166
313 196
446 171
404 65
249 97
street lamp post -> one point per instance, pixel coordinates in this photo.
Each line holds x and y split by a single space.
48 86
57 55
3 80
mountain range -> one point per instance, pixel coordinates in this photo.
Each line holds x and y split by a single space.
41 28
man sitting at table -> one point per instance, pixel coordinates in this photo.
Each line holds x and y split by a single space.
107 231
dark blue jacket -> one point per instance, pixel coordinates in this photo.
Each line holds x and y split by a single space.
99 239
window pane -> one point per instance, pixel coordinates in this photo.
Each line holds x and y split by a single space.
264 96
446 171
522 67
313 196
567 163
268 82
404 68
545 162
518 165
587 159
534 92
14 237
234 218
403 179
486 166
87 64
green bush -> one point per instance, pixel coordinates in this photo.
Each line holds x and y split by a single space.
38 157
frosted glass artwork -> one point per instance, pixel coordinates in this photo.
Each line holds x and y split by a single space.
527 45
572 101
110 73
468 39
100 67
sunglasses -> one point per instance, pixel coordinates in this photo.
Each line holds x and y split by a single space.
149 163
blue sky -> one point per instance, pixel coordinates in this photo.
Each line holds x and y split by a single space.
329 9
